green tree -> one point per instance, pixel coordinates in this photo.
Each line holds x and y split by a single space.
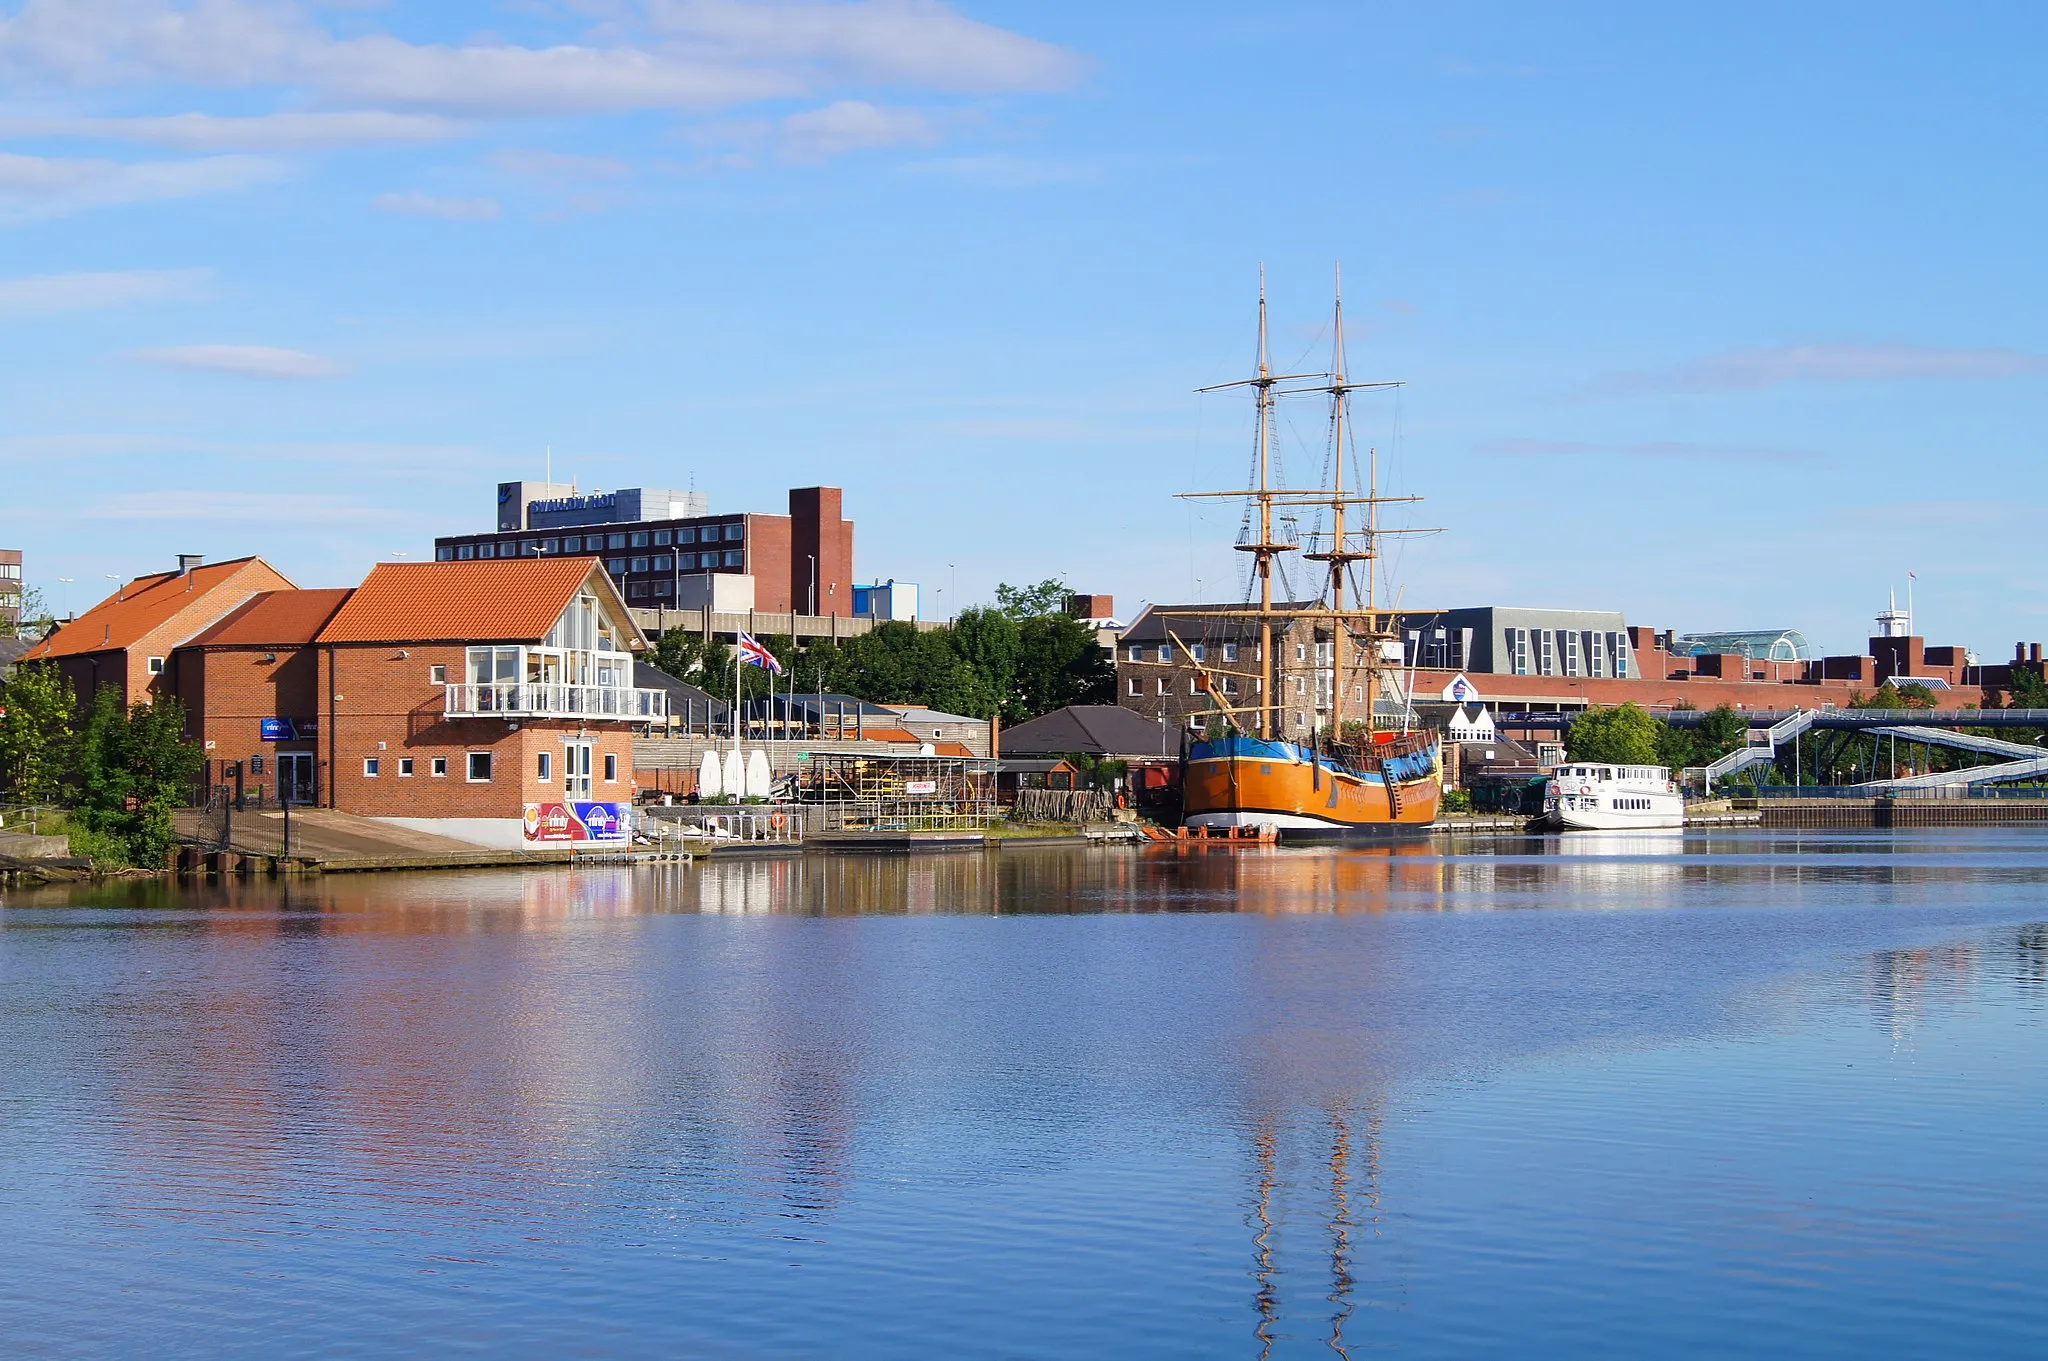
1624 734
1032 602
990 642
1058 663
2028 689
134 768
36 734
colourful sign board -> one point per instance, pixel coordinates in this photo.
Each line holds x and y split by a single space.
570 822
289 729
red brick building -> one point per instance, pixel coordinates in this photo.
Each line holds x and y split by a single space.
127 639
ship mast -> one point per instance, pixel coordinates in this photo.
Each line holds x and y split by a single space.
1269 690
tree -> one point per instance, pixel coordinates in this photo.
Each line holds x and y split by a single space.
2029 690
1032 602
36 734
990 642
37 618
1624 734
1058 663
134 767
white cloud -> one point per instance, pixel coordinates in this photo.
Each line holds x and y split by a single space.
701 54
48 294
267 509
248 361
1751 370
34 187
851 125
263 132
559 165
1008 171
1679 451
919 42
413 203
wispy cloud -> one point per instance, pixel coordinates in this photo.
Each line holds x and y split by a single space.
262 132
1677 451
1753 370
247 361
674 54
559 165
238 507
33 187
413 203
85 291
851 125
1008 171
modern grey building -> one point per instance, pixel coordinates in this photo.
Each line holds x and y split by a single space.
1501 640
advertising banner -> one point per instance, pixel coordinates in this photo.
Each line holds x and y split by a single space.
920 786
288 729
572 822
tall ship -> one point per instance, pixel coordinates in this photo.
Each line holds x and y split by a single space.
1366 773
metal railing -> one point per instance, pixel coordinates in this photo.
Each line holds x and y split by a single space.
540 700
715 826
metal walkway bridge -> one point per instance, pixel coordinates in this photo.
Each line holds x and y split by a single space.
1770 730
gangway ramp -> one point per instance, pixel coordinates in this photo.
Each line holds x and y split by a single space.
1786 729
2034 768
1963 741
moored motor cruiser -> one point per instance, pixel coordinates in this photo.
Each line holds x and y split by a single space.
1596 796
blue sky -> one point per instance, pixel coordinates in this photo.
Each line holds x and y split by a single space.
1722 316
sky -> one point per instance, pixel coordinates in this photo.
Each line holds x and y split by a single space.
1723 316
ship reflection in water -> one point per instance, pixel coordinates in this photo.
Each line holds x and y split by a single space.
1744 1090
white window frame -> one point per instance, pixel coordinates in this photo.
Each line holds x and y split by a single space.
611 764
156 666
405 767
544 768
371 767
437 674
438 768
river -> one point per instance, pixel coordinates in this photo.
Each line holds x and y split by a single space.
1704 1093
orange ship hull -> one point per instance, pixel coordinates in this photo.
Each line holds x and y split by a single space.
1309 796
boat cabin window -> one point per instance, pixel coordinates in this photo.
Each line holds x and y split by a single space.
1606 774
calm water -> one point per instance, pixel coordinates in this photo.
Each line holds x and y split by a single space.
1736 1093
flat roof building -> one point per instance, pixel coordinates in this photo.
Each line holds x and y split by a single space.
661 547
10 590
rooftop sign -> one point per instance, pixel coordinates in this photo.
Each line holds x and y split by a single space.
605 500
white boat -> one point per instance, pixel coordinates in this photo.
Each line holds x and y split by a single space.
1608 798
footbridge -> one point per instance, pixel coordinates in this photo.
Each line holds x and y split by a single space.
1770 730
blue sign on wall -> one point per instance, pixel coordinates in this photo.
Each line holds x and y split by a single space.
289 729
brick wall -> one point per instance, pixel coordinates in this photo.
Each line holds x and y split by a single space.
768 549
372 694
817 527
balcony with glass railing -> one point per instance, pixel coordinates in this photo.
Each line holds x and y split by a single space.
536 699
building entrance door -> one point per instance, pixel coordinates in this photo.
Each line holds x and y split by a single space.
576 769
295 776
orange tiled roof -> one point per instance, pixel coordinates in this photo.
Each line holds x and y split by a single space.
511 600
276 619
137 610
887 735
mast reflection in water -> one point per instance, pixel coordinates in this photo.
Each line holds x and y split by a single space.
1753 1091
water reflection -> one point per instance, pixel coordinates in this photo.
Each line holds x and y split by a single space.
1213 1093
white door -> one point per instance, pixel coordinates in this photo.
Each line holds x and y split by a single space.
576 770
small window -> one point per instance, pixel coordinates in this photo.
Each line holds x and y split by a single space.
156 666
639 564
663 538
550 545
573 544
371 765
1199 652
444 554
1137 686
464 552
639 591
735 558
640 539
734 533
617 567
439 768
404 766
479 767
686 536
611 767
1194 685
530 547
1137 653
544 768
1230 652
437 675
487 550
664 588
615 541
664 563
1301 652
1165 652
1165 686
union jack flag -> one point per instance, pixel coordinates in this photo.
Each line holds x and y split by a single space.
754 652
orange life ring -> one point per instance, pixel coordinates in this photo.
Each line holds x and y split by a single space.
776 821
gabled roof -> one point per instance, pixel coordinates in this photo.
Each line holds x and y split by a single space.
276 619
1194 623
502 600
917 713
1096 729
140 608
